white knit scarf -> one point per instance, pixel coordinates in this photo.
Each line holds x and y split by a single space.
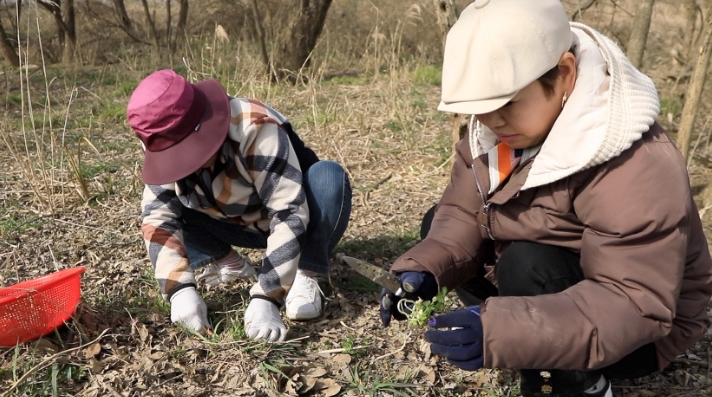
611 106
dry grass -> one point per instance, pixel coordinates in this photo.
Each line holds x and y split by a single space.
378 120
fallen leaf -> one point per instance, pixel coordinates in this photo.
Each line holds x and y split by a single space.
95 366
291 387
44 344
316 372
308 383
428 374
333 389
341 359
143 333
329 386
92 350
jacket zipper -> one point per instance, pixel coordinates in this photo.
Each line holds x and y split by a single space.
485 205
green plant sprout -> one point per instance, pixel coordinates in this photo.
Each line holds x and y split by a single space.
422 310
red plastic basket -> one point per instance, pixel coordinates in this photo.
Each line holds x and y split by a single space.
33 308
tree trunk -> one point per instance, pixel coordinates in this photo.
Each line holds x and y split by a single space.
447 14
168 23
688 40
694 90
576 15
151 24
261 39
8 51
53 6
124 19
182 21
70 31
304 30
18 14
639 33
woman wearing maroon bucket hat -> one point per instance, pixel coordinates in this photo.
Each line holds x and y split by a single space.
223 172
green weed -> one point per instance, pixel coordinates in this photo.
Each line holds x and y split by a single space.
346 80
13 221
671 107
110 111
13 99
351 348
369 384
47 380
357 282
178 353
125 89
423 310
394 125
231 326
93 170
428 74
388 246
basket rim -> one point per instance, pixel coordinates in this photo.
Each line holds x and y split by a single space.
39 284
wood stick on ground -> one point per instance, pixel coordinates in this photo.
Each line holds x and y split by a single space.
405 342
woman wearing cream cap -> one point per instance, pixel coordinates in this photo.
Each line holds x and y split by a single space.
568 225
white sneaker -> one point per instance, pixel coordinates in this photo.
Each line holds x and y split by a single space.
215 274
304 298
601 389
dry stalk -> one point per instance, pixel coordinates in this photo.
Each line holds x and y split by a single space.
405 342
42 177
86 227
6 262
341 350
46 362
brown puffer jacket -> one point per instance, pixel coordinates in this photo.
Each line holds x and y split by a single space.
607 184
643 252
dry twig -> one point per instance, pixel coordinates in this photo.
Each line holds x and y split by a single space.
46 362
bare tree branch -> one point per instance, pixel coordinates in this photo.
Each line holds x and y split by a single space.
53 8
576 15
151 24
639 33
261 38
694 90
99 16
121 13
8 50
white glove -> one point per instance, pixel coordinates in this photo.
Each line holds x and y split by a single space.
188 309
262 321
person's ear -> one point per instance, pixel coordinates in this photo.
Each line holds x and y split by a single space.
567 71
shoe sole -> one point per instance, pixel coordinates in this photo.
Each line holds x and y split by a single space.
302 316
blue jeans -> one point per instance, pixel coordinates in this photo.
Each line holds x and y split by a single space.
329 199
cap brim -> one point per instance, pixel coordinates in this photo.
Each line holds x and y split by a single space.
187 156
476 107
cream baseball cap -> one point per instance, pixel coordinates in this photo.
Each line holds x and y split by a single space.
498 47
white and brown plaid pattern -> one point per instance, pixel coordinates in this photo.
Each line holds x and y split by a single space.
258 184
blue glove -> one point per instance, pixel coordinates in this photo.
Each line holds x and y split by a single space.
461 346
416 285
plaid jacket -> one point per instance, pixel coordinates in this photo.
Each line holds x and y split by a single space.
257 182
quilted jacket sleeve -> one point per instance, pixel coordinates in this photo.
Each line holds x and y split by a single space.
163 236
452 245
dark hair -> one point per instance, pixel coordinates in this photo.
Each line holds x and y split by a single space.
549 78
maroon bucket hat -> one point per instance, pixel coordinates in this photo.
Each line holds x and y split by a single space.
180 124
